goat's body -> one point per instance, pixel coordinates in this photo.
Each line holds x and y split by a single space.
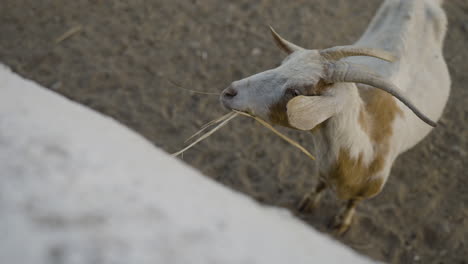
357 147
348 97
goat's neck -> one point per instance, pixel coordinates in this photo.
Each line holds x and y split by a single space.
344 131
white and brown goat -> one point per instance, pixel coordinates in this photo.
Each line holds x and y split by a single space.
365 103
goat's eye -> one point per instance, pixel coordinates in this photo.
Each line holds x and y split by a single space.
294 92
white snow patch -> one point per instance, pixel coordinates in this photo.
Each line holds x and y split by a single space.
78 187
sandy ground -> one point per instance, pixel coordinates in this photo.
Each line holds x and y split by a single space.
128 52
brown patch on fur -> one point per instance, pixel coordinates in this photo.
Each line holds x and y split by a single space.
381 109
319 88
278 113
351 177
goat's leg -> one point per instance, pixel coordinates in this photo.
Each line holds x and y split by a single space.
343 220
311 200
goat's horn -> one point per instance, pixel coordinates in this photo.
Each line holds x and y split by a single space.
348 72
285 45
339 52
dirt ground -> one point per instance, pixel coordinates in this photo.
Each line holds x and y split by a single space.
123 61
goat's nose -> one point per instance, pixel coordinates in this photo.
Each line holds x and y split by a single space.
229 92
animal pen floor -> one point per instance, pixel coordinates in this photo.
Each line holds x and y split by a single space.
129 60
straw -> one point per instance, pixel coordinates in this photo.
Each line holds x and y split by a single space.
212 122
209 133
289 140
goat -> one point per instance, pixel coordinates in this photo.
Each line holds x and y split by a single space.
358 130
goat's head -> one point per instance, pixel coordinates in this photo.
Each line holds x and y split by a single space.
302 92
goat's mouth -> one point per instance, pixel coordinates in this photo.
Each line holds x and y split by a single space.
245 113
229 105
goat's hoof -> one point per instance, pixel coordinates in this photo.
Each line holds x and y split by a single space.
342 229
307 204
338 226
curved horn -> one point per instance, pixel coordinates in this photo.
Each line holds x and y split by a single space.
339 52
348 72
285 45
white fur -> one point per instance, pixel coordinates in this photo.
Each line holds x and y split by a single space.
344 130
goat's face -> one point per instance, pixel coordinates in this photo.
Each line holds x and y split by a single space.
266 94
305 89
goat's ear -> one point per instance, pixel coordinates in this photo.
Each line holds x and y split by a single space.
306 112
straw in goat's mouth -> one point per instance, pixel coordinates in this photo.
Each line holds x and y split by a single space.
281 135
223 120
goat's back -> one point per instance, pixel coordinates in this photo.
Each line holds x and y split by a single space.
414 31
